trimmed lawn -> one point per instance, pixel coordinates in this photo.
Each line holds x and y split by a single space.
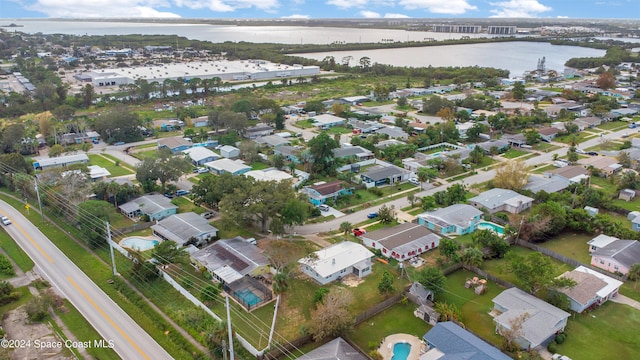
543 169
337 130
579 137
396 319
14 251
185 205
227 230
146 146
608 332
109 165
514 153
633 205
498 267
259 165
572 245
145 154
546 147
613 125
475 308
304 124
603 183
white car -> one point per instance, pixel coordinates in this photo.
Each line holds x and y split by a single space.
5 221
414 181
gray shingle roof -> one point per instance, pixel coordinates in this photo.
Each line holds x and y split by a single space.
336 349
627 252
381 173
238 254
181 227
404 237
148 204
496 197
457 343
456 214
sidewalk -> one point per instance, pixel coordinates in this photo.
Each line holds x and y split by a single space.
621 299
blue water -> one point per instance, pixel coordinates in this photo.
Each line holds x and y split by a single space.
401 351
485 225
139 244
248 297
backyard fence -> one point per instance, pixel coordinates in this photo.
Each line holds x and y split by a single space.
135 227
288 347
567 260
378 308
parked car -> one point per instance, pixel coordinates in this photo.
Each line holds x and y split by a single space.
359 232
592 153
580 151
323 207
169 195
5 221
119 143
372 215
202 170
182 192
208 214
414 181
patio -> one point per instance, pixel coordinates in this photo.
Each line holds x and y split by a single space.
417 346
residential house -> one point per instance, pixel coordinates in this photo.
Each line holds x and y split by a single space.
229 152
497 199
79 138
257 131
200 155
233 167
393 132
540 321
517 140
448 340
364 127
337 261
624 112
418 127
229 260
175 144
463 128
185 229
548 133
548 183
270 174
587 122
617 256
200 121
336 349
325 121
319 193
402 242
627 194
60 161
289 153
605 165
634 217
499 145
573 173
157 207
381 175
591 289
456 219
391 142
600 241
357 153
272 141
480 113
98 173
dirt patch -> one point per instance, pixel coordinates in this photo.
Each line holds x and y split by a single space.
352 280
30 337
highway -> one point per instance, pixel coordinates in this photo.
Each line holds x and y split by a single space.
118 330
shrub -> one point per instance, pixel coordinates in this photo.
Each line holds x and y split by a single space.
37 309
375 355
375 191
6 267
552 347
560 338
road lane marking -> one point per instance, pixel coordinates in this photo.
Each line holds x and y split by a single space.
32 241
75 285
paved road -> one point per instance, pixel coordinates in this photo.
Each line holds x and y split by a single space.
128 339
482 176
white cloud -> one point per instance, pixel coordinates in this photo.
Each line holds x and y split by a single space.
519 9
296 16
562 17
345 4
227 5
101 8
369 14
396 16
452 7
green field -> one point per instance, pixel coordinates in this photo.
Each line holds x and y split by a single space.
514 153
109 165
613 125
14 251
572 245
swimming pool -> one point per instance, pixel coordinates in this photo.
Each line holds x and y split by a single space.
248 297
401 351
138 243
486 225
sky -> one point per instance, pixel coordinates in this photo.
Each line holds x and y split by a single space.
318 9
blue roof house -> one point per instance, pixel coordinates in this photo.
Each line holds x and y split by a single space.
455 219
288 152
453 342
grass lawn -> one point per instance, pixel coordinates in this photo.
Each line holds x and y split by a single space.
258 165
465 239
613 327
613 125
415 212
145 154
304 124
572 245
363 196
396 319
14 251
604 184
514 153
633 205
578 137
337 130
227 230
109 165
498 267
475 308
546 147
146 146
543 169
184 205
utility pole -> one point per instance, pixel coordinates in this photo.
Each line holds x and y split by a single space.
519 227
231 356
113 260
35 179
273 323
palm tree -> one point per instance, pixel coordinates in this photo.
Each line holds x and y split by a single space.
292 167
280 283
634 274
346 228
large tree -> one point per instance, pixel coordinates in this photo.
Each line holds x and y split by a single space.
536 272
169 252
211 189
166 167
512 174
433 279
118 124
332 317
321 148
606 80
91 218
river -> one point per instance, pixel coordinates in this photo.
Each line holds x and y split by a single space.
515 56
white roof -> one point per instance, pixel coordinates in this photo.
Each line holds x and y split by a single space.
96 171
327 119
227 165
602 240
198 153
269 175
61 160
612 284
337 257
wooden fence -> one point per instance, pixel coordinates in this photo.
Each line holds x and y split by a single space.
135 227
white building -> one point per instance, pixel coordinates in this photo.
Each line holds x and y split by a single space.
337 261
